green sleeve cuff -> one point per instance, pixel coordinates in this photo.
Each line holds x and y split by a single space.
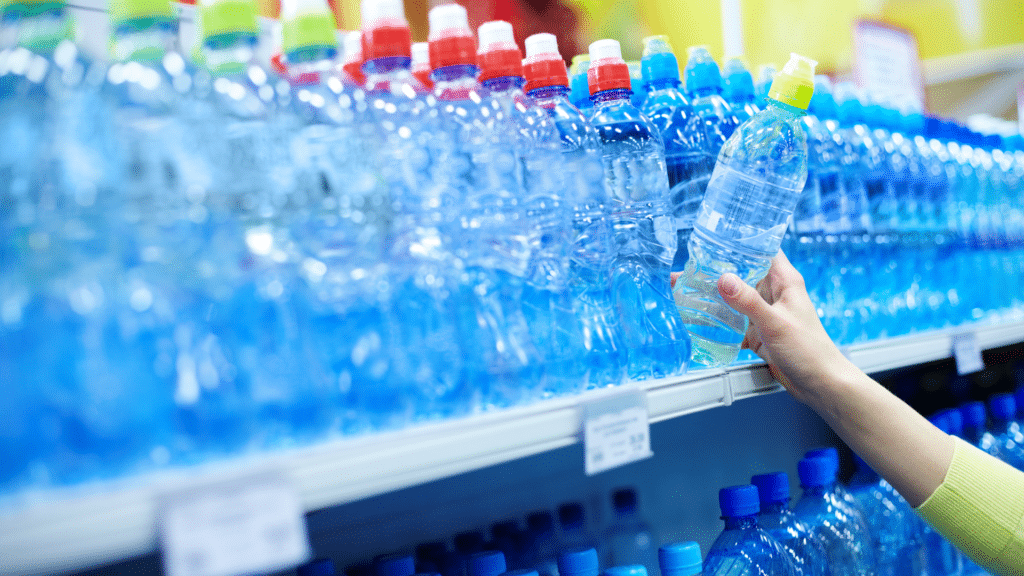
979 507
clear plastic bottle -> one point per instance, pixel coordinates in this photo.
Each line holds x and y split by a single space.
635 177
765 76
704 87
591 252
739 90
846 538
477 159
580 89
637 84
804 550
743 548
680 559
689 156
898 534
547 303
752 193
1004 439
629 540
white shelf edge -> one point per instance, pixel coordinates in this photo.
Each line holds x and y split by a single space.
70 529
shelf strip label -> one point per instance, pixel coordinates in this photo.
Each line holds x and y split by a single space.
250 526
616 431
967 353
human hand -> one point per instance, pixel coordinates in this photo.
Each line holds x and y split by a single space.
785 330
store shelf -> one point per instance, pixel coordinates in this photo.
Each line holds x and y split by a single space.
68 529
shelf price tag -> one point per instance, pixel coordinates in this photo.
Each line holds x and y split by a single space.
249 526
967 353
615 431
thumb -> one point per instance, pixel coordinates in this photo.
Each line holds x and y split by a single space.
745 299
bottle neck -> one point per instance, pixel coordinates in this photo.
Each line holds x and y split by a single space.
662 84
229 53
707 91
313 58
772 103
386 65
456 73
609 97
144 40
740 522
545 96
37 27
774 508
818 491
504 83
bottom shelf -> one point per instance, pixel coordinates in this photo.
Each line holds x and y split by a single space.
67 529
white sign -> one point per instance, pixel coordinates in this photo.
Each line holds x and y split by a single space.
887 62
246 527
967 353
616 432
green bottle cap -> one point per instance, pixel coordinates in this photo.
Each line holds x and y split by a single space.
229 17
124 11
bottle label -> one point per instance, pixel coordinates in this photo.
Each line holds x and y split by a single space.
748 212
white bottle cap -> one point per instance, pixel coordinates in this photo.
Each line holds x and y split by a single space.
291 9
542 44
353 46
420 53
378 12
448 20
496 35
605 50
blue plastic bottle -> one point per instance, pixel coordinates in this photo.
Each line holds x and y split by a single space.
1004 439
634 169
580 87
542 543
765 76
591 250
898 532
578 562
680 559
704 87
689 156
637 84
575 533
804 551
738 90
752 193
629 539
846 538
744 549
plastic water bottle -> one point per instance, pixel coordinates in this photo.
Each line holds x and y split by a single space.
743 548
634 168
765 77
689 155
846 538
507 538
680 559
1003 439
738 90
898 533
489 563
637 84
574 530
394 565
421 64
942 557
629 540
844 499
591 252
547 303
352 66
804 550
580 88
704 87
578 562
753 191
542 543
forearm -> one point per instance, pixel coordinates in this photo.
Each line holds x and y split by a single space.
900 444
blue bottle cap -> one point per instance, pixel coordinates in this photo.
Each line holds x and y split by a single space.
624 500
816 472
772 488
739 84
630 570
570 515
1003 407
702 71
394 565
739 501
829 453
973 414
318 567
490 563
680 559
659 62
579 562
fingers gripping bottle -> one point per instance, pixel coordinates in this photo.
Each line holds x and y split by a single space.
753 191
591 249
689 155
634 171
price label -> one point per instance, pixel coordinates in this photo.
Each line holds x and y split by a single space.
886 61
967 353
246 527
616 432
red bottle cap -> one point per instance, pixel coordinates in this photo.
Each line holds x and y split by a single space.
608 71
544 65
499 55
451 40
